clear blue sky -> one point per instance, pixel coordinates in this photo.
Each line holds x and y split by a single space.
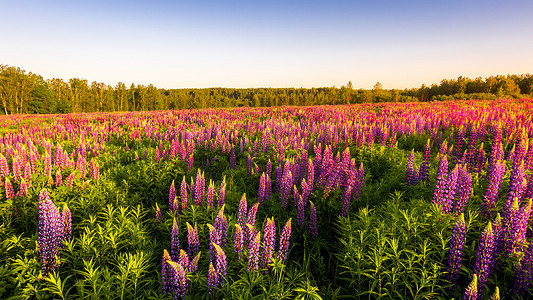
179 44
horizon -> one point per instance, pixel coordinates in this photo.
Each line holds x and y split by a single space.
210 44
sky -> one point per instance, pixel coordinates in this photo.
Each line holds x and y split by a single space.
242 44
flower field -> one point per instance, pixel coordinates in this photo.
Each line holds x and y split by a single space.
412 200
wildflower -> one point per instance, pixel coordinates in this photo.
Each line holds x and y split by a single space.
220 264
269 242
238 239
253 252
484 265
8 187
166 273
210 194
251 214
284 241
424 167
172 196
158 215
241 216
212 279
312 220
491 194
192 238
175 241
524 274
455 254
183 194
471 292
222 192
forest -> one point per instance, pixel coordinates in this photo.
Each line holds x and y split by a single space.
23 92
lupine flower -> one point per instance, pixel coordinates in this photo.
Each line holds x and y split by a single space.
70 180
464 189
210 194
516 184
249 165
221 225
47 165
220 264
158 215
214 238
243 208
66 220
269 242
250 234
8 188
269 167
27 171
471 292
212 279
251 214
23 188
94 170
199 190
232 159
166 273
183 260
484 265
183 194
192 238
193 265
346 201
4 166
268 188
253 252
238 239
312 220
409 171
190 163
440 185
491 195
480 161
261 194
222 192
283 250
300 219
80 166
451 188
172 196
175 241
455 254
524 273
424 167
286 187
51 232
443 148
181 283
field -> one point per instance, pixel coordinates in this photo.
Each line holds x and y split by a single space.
376 201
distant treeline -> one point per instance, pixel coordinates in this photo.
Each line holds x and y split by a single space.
28 93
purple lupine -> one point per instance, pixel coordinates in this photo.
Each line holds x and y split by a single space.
455 254
310 178
249 165
268 188
249 235
296 195
238 239
251 214
279 179
175 241
50 232
199 188
253 252
48 165
232 159
166 273
491 195
193 264
212 279
499 235
181 283
221 225
183 194
480 159
443 148
300 219
451 189
172 197
158 215
184 259
269 167
471 292
269 242
286 187
4 166
313 230
409 171
222 193
440 184
220 264
190 162
459 142
424 167
193 241
283 250
359 183
516 184
210 194
346 199
464 189
214 238
262 187
243 209
524 273
484 265
8 188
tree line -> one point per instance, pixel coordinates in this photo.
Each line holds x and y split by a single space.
24 92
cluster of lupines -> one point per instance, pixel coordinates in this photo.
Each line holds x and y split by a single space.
354 186
424 167
173 274
265 188
54 228
411 173
453 189
524 273
493 188
485 258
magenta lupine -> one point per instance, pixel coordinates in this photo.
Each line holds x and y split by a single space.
222 192
80 165
238 239
183 194
193 265
409 171
253 252
190 162
443 148
455 254
471 292
47 165
524 273
516 184
17 168
59 178
70 180
94 170
269 242
214 238
296 195
66 220
220 264
249 165
172 197
8 188
212 279
286 188
192 239
440 185
243 210
485 260
310 178
269 167
23 188
491 195
261 193
158 215
313 230
210 194
268 188
199 188
184 260
300 219
175 241
27 171
4 166
481 159
451 188
284 243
